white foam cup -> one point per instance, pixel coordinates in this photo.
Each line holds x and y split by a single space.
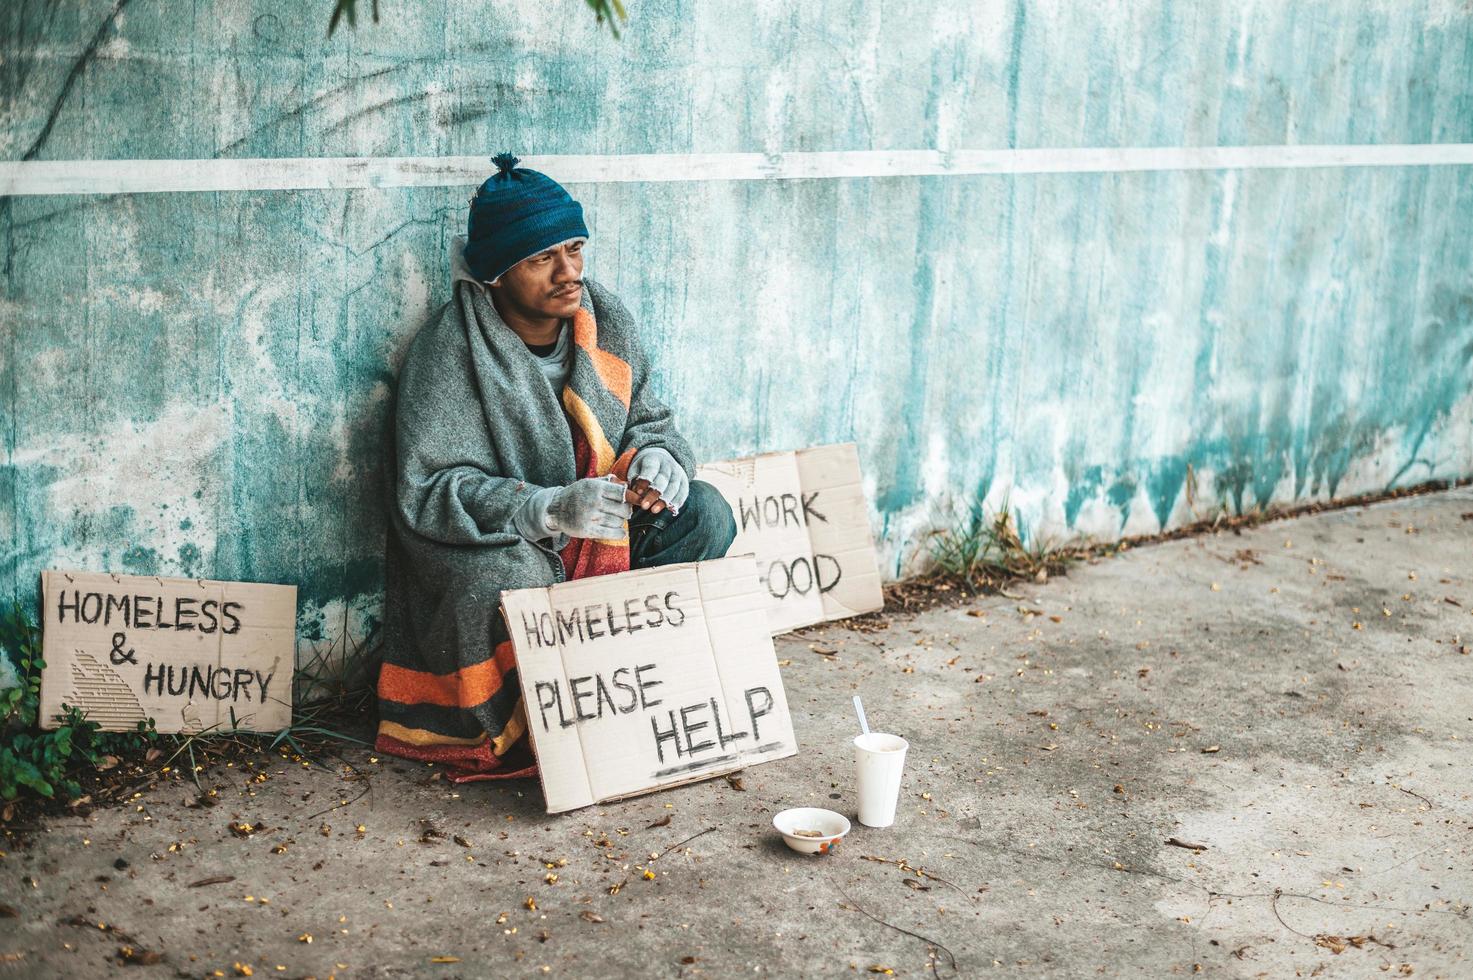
881 760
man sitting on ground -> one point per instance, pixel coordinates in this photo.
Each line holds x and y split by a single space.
529 448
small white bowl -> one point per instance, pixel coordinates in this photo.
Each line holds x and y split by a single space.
831 827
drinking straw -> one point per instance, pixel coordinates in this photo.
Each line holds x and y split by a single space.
859 710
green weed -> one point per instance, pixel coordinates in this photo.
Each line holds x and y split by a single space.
46 763
985 552
337 677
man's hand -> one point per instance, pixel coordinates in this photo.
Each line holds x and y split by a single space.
589 508
656 481
639 494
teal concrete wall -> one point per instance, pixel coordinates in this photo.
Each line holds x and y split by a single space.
195 383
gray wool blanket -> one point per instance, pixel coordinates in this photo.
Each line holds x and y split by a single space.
477 430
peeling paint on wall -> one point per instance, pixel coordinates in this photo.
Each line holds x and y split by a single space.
198 384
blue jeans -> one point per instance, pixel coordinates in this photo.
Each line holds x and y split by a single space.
703 530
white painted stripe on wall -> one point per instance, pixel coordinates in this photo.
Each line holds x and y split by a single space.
343 173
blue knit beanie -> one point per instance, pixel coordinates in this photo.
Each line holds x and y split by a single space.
517 213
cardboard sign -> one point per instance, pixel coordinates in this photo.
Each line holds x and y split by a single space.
646 679
803 515
190 653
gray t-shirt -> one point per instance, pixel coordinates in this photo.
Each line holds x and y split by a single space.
556 365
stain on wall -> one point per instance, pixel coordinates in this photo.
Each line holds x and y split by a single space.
197 383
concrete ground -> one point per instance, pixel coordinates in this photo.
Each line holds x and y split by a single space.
1293 703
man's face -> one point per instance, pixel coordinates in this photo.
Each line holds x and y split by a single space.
548 284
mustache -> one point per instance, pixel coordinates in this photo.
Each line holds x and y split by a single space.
569 288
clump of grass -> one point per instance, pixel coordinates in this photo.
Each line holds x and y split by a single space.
337 677
981 552
334 691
